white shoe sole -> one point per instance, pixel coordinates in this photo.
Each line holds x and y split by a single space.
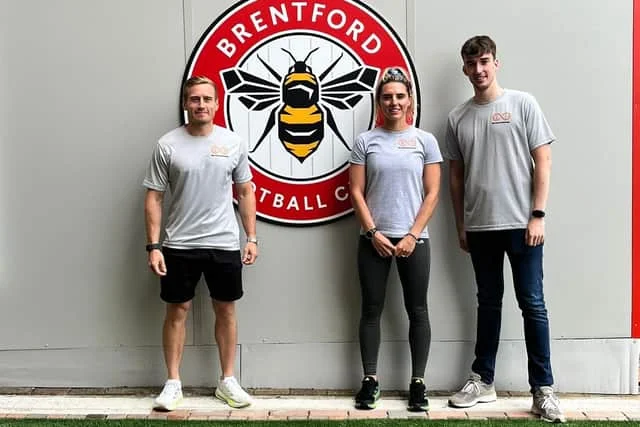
484 399
535 411
234 404
167 408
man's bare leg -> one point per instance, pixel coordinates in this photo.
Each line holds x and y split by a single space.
173 336
226 332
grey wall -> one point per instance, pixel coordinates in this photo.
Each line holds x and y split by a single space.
89 86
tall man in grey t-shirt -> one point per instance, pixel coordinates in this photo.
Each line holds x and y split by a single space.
498 144
199 163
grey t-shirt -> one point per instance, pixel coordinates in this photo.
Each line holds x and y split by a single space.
199 171
495 141
394 168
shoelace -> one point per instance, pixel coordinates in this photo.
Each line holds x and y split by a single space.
549 402
471 387
234 387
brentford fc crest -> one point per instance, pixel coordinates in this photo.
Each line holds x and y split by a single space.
296 80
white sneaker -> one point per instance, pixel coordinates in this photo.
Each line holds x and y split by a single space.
229 391
170 397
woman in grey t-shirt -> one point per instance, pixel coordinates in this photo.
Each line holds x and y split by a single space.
394 185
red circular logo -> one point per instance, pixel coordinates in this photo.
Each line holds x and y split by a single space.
296 80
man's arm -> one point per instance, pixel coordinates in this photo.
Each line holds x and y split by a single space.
153 220
456 189
247 209
541 176
541 180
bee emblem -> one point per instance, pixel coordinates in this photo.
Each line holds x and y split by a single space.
304 102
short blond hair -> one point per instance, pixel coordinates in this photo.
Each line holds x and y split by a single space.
197 80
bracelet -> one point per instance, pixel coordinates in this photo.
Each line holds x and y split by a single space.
153 246
412 235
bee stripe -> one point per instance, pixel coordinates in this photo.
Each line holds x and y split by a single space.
297 77
298 116
301 134
301 150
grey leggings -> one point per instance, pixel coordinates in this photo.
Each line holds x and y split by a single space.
414 276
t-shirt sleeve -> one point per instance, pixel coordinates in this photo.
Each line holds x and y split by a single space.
157 177
451 147
431 150
242 172
358 152
538 130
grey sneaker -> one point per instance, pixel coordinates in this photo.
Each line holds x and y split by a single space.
473 392
547 405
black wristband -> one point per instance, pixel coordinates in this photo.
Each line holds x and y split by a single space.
537 213
412 235
152 246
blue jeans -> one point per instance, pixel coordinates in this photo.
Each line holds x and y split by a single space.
487 249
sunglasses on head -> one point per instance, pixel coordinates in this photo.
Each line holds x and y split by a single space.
395 75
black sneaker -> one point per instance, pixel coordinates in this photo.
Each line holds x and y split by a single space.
418 401
369 394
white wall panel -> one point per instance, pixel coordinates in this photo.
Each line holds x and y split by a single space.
93 85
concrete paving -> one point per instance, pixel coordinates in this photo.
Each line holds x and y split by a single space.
285 407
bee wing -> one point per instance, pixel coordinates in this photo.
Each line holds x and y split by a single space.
344 92
256 92
343 101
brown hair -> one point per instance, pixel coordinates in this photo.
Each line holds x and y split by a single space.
478 45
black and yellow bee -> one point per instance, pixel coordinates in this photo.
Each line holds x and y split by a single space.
305 101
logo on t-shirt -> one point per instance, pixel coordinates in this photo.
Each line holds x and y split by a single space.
296 80
500 118
219 150
408 143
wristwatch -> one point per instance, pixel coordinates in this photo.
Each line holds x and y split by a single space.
252 240
370 233
537 213
152 246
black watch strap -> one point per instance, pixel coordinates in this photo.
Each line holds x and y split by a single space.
152 246
537 213
370 232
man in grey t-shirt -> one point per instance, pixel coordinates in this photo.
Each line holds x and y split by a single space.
198 163
498 145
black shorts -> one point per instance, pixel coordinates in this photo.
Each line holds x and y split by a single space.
222 272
